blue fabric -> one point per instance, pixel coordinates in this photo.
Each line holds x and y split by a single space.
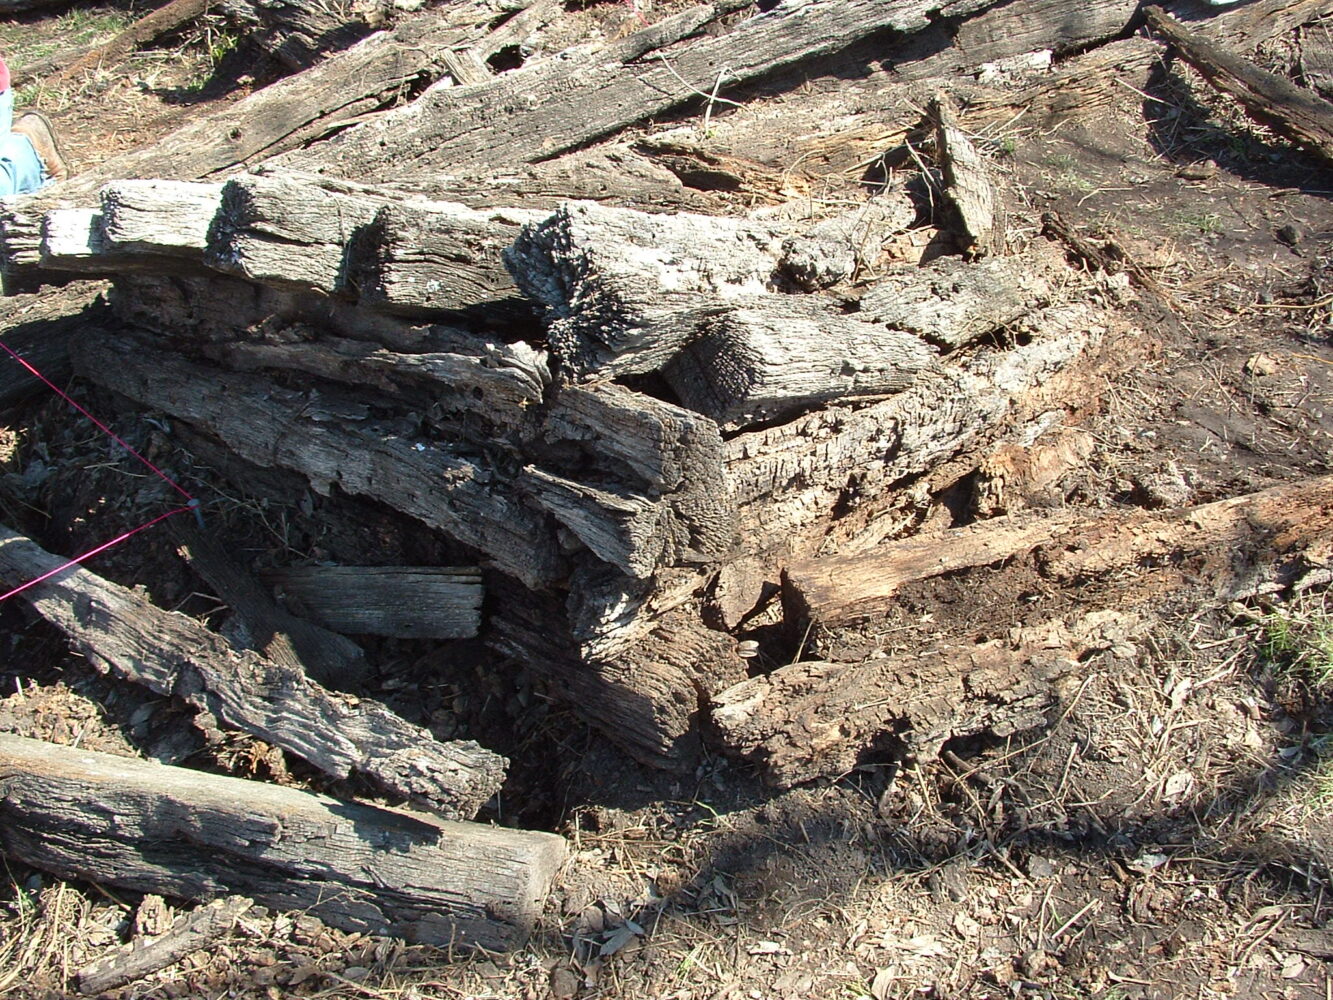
20 166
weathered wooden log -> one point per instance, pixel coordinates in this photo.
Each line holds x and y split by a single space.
822 718
170 16
439 258
333 442
1273 540
153 828
299 33
612 280
952 302
39 329
561 105
1269 99
656 448
259 624
642 690
760 358
408 602
173 655
189 933
787 479
288 231
165 217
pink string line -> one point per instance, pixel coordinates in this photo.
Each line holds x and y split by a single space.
88 555
107 430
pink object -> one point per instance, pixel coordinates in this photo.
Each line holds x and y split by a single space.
4 75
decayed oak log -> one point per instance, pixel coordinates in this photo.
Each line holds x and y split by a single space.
335 444
952 302
813 719
190 932
1266 97
820 718
560 105
259 624
174 655
153 828
171 218
410 602
439 257
1277 539
787 479
757 358
298 33
656 448
642 689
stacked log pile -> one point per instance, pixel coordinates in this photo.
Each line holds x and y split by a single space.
642 427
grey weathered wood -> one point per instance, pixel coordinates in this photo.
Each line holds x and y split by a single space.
333 442
760 358
158 216
408 602
952 302
290 642
811 719
189 933
967 183
1269 99
71 240
560 105
786 479
612 280
439 257
192 835
285 230
174 655
655 448
298 33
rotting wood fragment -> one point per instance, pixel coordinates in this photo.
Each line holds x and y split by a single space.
174 655
190 932
193 835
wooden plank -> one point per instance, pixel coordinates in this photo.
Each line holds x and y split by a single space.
292 643
333 442
174 655
1269 99
189 933
191 835
408 602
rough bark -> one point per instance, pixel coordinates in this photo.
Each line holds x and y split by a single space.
952 302
171 218
152 828
189 933
408 602
333 442
173 655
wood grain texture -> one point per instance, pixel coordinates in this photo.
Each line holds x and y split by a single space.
153 828
333 442
174 655
409 602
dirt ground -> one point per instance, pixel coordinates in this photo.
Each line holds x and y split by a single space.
1168 834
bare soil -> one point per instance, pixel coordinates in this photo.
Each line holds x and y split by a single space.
1166 835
